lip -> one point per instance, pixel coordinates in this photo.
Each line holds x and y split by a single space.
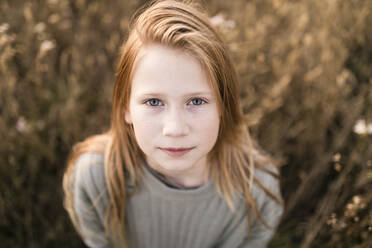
176 152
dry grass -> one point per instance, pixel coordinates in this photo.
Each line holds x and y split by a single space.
306 80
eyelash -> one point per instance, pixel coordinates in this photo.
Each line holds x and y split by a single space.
147 102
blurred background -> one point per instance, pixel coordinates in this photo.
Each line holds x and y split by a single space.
305 71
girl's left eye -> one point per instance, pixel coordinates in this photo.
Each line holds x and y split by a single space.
197 101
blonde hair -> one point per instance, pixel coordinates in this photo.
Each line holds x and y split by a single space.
233 159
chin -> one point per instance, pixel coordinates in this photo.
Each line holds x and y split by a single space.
174 166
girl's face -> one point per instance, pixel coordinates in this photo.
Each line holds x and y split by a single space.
173 111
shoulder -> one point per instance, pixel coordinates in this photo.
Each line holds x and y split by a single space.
89 164
267 175
89 173
267 194
88 159
90 197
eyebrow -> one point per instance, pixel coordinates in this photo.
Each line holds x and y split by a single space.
186 95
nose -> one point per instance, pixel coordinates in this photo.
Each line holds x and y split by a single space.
175 124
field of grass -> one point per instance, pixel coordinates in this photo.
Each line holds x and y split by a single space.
305 72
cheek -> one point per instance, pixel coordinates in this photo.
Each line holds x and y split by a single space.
208 127
145 128
143 134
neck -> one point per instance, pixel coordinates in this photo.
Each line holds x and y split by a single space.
194 178
187 182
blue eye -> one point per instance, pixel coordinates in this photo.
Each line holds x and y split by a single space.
197 101
153 102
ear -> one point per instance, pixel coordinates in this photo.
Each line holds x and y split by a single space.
127 117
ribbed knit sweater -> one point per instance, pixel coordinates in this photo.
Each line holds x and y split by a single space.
160 216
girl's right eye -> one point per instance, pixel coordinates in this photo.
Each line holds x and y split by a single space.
153 102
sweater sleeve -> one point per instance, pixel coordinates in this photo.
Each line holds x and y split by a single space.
90 199
270 210
238 236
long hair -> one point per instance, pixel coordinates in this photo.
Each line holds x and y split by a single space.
234 157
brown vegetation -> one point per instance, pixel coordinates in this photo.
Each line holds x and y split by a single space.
306 80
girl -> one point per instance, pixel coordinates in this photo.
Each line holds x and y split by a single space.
177 168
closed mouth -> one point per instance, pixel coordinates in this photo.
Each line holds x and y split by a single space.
171 149
176 152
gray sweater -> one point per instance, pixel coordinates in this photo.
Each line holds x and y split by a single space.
160 216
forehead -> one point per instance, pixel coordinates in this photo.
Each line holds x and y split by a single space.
161 69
